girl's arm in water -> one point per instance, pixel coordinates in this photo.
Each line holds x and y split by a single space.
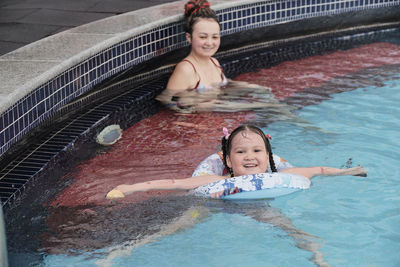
164 184
191 183
310 172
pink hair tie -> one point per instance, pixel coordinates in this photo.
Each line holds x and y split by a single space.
268 136
226 133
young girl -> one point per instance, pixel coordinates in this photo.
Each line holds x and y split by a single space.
246 151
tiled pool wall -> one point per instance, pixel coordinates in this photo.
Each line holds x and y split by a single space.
44 101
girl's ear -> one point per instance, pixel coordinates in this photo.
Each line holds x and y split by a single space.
189 37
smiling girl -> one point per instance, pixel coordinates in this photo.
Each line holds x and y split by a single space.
246 151
199 70
197 80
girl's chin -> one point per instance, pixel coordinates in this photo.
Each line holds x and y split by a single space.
208 52
249 172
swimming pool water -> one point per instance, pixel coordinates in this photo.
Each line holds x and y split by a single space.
356 220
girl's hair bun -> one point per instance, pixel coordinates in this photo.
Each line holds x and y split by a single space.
196 9
193 6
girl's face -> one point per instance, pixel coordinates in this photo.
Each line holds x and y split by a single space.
248 154
205 38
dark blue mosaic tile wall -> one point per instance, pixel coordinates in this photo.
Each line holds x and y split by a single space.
44 101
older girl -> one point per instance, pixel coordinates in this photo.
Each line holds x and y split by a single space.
197 79
199 70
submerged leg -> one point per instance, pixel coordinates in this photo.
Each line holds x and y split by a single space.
188 219
303 239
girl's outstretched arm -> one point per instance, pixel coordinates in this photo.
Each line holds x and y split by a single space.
164 184
310 172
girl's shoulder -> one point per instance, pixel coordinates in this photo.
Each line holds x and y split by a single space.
216 62
185 66
183 77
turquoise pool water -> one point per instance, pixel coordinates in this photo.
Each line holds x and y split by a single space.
355 221
358 219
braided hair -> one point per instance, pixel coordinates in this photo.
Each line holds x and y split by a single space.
227 145
196 9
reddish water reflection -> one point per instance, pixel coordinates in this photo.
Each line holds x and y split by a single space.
164 146
290 77
171 145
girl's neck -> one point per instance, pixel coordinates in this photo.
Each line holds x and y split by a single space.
199 59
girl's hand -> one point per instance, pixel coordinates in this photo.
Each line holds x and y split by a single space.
120 191
115 194
358 171
217 194
220 194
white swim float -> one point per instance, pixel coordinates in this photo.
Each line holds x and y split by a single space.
255 186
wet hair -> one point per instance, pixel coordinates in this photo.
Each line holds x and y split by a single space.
196 9
227 145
